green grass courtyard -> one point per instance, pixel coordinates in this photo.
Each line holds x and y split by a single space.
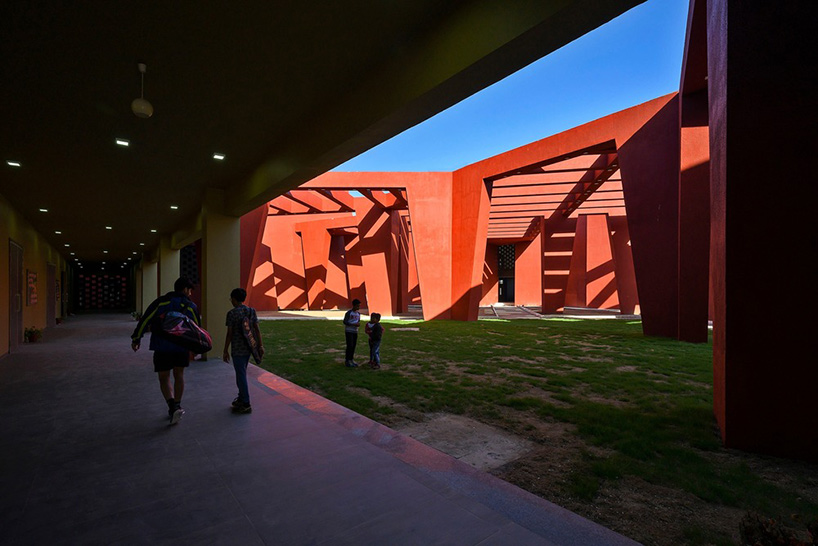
638 410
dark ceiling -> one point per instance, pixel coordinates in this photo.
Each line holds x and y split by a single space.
286 90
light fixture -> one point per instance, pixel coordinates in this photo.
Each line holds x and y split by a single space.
123 142
140 107
220 157
173 207
108 227
58 232
11 163
43 210
153 231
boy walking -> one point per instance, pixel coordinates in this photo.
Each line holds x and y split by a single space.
352 320
241 346
167 356
375 332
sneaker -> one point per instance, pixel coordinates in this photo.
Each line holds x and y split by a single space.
351 364
242 408
236 402
176 415
375 366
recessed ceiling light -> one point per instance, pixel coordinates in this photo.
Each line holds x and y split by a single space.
123 142
43 210
173 207
12 163
153 231
220 157
73 254
67 245
103 263
105 252
58 232
133 253
108 227
141 244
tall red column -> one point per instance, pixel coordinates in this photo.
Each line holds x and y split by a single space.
694 219
762 122
650 180
528 272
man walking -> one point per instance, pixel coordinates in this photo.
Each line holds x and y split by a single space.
167 356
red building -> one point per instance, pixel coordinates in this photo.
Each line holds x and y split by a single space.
676 207
549 224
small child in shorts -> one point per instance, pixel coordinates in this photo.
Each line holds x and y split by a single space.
375 332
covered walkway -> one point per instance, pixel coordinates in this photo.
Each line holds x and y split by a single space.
88 458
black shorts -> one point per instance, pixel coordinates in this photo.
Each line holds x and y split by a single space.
164 362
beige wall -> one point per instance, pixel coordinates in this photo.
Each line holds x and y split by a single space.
37 253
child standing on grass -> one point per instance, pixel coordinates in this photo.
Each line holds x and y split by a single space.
352 319
375 332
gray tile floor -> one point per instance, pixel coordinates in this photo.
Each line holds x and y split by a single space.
87 457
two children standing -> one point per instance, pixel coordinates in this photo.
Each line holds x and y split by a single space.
352 320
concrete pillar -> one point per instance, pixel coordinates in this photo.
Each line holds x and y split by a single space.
169 260
694 219
137 283
221 263
150 283
649 162
315 242
762 123
528 271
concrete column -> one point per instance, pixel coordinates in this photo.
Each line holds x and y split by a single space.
694 219
528 271
762 124
137 283
315 241
221 263
168 265
649 162
150 283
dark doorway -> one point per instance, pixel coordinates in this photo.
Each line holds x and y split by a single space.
51 295
505 273
15 295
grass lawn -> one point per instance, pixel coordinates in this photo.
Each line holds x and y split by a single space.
639 407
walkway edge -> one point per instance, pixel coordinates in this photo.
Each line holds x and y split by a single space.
554 523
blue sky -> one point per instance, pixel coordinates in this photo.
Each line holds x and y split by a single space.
630 60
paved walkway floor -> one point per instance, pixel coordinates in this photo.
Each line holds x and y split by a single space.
87 457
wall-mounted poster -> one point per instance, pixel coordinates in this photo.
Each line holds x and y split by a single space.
31 287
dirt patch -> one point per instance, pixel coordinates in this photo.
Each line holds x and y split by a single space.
656 515
482 446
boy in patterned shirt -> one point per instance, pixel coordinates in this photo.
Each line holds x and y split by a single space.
241 350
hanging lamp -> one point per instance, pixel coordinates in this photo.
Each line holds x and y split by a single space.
140 107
